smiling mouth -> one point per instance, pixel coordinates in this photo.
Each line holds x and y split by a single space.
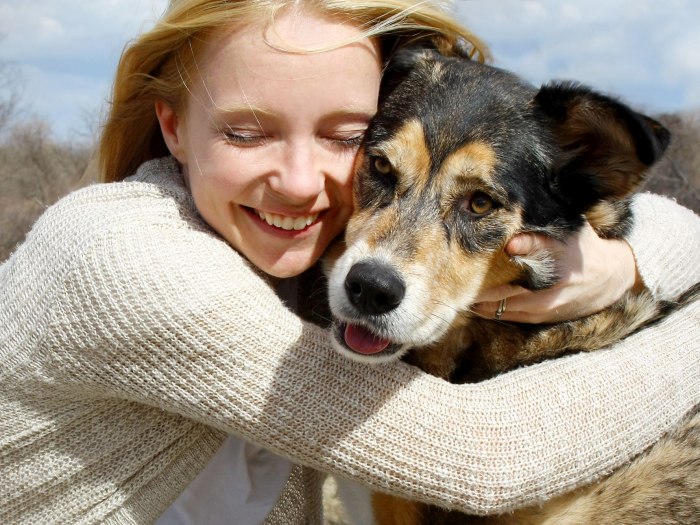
285 222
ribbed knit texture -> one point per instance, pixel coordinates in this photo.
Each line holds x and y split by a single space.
132 339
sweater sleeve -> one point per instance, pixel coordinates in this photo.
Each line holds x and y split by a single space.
170 316
665 239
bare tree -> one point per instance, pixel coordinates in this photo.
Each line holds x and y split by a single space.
35 171
678 173
10 93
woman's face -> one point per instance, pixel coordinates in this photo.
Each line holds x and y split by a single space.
268 138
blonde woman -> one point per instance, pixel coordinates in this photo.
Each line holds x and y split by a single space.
152 369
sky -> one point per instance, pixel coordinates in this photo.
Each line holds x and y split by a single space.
647 52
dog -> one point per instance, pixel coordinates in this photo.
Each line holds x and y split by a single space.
461 157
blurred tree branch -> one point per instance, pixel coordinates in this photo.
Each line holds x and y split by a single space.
10 94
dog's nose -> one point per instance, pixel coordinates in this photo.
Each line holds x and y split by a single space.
374 288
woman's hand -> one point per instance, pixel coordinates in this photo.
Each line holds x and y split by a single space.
594 274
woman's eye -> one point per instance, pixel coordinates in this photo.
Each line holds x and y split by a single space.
244 138
349 140
480 204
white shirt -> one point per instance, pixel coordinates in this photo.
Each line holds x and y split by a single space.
239 486
242 482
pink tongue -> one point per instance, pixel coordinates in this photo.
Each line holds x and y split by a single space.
362 341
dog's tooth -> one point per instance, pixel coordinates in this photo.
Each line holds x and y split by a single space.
300 223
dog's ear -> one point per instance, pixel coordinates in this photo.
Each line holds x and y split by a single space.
607 147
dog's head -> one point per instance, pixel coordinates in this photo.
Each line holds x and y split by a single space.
460 158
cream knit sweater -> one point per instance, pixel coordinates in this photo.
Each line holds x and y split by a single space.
132 339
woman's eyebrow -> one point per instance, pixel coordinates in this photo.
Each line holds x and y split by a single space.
358 114
350 114
242 110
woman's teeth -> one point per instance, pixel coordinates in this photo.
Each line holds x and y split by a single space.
287 223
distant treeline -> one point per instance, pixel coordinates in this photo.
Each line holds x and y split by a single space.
35 171
678 173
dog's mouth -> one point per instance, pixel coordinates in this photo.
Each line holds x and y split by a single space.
360 341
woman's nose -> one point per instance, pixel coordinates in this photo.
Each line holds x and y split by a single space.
299 177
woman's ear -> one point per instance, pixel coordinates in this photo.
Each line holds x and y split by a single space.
169 127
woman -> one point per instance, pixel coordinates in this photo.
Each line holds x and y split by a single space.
148 357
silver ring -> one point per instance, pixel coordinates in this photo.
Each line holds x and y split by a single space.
501 308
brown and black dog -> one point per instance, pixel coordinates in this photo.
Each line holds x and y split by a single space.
461 157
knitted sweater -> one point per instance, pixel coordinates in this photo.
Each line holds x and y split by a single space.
133 339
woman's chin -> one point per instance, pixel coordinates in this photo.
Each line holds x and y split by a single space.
286 264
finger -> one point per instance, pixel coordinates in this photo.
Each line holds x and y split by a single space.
488 311
528 243
523 317
521 244
491 309
495 294
527 306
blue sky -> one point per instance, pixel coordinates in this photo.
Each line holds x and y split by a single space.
647 52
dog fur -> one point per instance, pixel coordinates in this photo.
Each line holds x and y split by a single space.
461 157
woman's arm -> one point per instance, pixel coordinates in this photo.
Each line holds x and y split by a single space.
154 312
665 239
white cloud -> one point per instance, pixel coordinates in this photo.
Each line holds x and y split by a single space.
67 55
74 104
682 57
682 65
643 50
70 26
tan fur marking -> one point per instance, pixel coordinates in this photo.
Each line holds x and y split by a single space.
473 160
457 271
603 215
358 224
409 155
437 72
382 227
390 510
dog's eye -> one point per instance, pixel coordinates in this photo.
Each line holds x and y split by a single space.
382 173
382 165
480 204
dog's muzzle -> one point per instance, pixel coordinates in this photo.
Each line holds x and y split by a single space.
374 288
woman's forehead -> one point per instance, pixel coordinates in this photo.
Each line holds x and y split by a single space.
255 54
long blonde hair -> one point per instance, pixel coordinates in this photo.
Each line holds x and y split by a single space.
155 66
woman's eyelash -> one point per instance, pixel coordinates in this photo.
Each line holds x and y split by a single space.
252 138
242 138
346 142
350 141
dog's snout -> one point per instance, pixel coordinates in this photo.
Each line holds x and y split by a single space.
374 288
